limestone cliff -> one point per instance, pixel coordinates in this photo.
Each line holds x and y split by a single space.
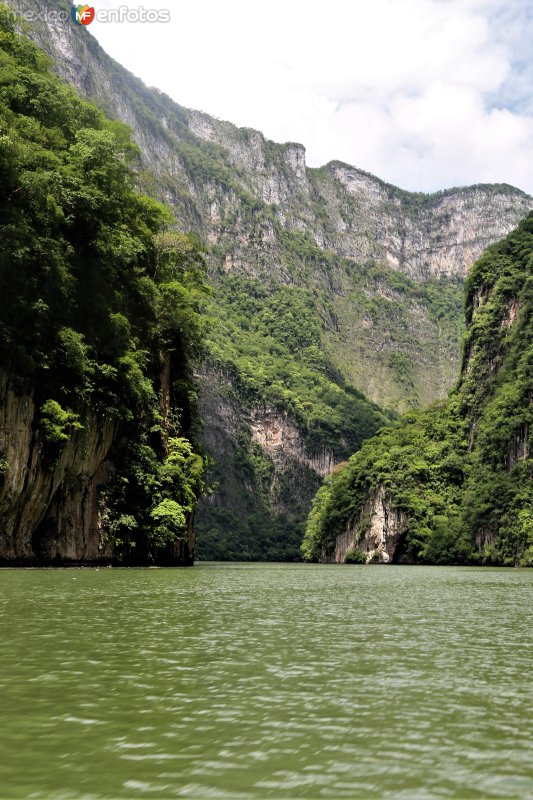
354 214
50 513
378 531
256 203
262 475
281 439
53 512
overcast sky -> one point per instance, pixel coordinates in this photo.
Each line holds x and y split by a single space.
425 94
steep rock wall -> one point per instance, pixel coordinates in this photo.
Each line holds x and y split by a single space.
342 208
453 483
378 532
420 235
50 512
263 477
280 437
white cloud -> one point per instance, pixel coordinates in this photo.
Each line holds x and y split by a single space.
423 93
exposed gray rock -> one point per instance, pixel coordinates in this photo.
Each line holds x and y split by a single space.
278 436
377 532
51 512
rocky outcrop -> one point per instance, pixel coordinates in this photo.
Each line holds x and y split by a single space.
52 509
52 506
278 436
263 476
456 478
50 512
421 235
378 531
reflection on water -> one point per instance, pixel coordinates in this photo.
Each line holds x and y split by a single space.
255 681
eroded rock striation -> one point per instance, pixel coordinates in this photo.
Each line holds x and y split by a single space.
377 532
50 513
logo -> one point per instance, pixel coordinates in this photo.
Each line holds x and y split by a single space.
82 15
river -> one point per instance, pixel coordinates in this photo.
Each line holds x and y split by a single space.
256 681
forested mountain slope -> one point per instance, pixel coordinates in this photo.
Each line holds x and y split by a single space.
454 483
99 326
336 295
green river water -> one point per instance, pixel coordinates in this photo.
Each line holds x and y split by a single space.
256 681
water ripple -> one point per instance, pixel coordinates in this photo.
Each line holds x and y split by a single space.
266 681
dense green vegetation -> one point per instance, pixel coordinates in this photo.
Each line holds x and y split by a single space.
278 344
100 298
270 340
293 324
461 471
260 507
273 336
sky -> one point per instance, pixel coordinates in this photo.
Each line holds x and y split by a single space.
425 94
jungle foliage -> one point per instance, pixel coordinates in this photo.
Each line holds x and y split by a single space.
460 471
273 337
98 293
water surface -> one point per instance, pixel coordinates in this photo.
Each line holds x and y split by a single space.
256 681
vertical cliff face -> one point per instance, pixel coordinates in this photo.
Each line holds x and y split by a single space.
354 214
381 271
262 477
377 533
280 438
53 510
50 512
